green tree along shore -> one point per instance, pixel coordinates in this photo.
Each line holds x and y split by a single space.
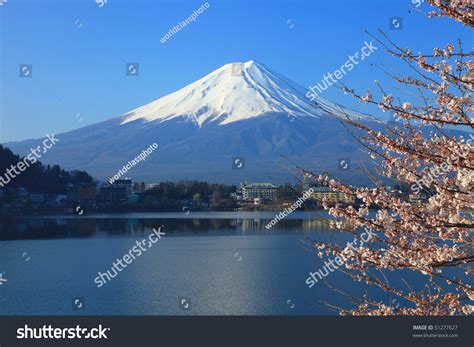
189 194
38 177
53 181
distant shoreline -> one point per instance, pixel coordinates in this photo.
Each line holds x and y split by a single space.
70 211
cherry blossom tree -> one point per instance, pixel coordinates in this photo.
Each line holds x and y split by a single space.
434 238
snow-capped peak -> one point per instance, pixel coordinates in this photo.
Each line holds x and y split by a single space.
234 92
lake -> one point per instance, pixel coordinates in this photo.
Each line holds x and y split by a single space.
209 263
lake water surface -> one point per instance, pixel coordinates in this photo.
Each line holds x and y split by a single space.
207 264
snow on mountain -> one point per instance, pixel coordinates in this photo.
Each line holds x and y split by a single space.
235 92
242 110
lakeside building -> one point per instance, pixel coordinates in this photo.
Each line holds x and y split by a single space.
139 187
133 198
124 183
16 196
111 195
14 199
321 193
86 194
116 193
151 185
83 194
262 191
37 198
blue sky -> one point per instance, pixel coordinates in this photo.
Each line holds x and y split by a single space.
79 50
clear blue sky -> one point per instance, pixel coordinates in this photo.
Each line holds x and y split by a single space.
79 50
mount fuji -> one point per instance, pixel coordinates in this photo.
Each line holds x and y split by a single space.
241 111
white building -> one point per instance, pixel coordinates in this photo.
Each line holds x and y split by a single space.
263 191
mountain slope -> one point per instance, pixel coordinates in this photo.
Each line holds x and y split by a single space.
232 93
239 110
